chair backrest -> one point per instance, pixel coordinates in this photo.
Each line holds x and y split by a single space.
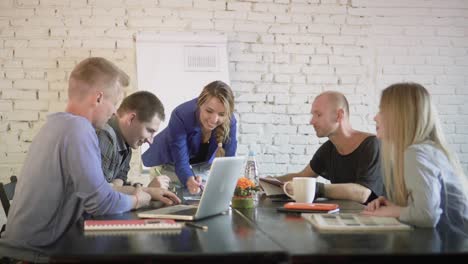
7 191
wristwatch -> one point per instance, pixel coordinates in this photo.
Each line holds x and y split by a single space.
137 184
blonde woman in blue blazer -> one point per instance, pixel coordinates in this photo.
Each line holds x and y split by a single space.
198 130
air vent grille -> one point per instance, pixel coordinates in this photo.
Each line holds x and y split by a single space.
201 58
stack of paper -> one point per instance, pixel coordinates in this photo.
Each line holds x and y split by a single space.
272 187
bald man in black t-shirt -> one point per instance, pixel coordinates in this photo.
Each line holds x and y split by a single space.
350 159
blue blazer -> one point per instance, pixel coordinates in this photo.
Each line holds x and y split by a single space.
181 140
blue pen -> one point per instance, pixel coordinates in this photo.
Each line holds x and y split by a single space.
201 185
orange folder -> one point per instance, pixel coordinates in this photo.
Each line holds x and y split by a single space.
325 208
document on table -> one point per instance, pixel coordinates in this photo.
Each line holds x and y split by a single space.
272 187
354 222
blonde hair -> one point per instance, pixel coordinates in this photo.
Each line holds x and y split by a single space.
223 92
98 73
408 118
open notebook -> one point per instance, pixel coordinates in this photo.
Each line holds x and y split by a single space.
216 195
354 222
272 187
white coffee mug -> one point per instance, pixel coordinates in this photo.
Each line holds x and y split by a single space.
304 189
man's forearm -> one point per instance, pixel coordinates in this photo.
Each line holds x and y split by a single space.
127 189
286 177
347 191
290 176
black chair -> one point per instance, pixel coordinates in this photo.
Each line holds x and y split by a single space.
7 191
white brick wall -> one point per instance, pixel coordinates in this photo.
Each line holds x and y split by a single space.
281 54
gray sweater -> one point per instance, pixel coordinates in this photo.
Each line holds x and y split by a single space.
60 181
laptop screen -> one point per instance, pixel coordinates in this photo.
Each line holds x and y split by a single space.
216 196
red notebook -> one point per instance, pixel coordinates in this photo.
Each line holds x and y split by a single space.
325 208
132 224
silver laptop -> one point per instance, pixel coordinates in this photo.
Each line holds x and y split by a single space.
216 196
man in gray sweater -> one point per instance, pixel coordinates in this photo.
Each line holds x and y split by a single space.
62 177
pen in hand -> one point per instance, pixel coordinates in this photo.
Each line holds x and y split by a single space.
203 227
195 177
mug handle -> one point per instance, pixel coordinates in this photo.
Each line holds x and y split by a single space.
285 190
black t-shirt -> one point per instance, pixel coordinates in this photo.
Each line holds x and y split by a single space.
362 166
201 155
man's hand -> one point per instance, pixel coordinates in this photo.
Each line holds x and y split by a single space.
193 184
160 182
117 182
142 198
165 196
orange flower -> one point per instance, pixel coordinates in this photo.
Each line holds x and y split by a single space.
245 183
245 188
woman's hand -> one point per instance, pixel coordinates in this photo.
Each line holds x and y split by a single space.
382 207
163 195
376 203
193 184
160 182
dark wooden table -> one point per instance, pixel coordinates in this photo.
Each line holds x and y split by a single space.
230 236
304 244
260 235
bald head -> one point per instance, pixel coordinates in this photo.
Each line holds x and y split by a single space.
334 101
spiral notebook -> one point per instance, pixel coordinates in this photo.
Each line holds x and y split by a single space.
133 224
133 232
